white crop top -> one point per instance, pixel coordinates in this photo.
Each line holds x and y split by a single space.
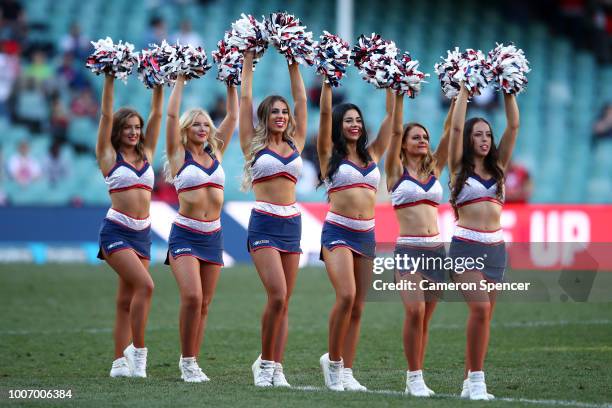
351 175
193 175
477 189
269 164
409 191
123 176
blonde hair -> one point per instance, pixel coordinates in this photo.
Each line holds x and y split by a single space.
261 137
428 163
213 143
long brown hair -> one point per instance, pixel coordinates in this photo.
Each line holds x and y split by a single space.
428 163
491 164
260 138
119 120
339 145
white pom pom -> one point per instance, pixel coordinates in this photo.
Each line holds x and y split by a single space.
509 67
249 34
229 62
332 58
177 59
148 67
290 38
374 57
408 79
117 60
471 67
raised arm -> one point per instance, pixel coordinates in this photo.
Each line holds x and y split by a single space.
441 153
154 122
378 147
300 109
508 140
228 125
246 130
455 144
105 154
174 147
393 163
324 139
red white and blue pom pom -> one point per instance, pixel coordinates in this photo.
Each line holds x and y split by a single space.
117 60
509 67
332 58
469 66
374 57
408 79
290 38
177 59
450 73
249 34
148 67
229 62
477 70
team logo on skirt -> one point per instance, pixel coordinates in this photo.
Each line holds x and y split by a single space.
115 244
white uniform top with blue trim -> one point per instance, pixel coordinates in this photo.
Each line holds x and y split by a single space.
123 176
351 175
269 164
409 191
477 189
193 175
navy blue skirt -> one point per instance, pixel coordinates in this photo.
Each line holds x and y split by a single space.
361 242
270 231
207 247
115 237
492 257
431 261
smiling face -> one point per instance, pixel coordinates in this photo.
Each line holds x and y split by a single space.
131 131
278 119
416 141
352 125
199 130
481 138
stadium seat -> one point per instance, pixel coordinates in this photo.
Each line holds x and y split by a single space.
426 29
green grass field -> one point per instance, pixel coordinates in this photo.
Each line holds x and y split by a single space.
56 334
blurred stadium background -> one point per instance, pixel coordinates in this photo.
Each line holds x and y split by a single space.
57 319
48 99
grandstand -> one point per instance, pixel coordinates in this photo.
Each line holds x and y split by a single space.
567 87
58 298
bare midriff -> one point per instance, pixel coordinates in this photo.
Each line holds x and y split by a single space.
482 216
203 204
357 202
134 202
418 220
279 191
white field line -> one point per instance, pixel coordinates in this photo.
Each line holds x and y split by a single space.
458 326
513 400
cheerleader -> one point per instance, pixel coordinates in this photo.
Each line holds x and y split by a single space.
195 248
272 166
477 167
351 176
413 173
125 158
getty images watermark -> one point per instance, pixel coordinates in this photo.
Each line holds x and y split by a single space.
512 272
405 265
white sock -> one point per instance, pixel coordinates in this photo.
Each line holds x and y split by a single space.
415 375
476 376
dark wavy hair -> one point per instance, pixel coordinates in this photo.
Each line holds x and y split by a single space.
491 164
120 118
339 150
